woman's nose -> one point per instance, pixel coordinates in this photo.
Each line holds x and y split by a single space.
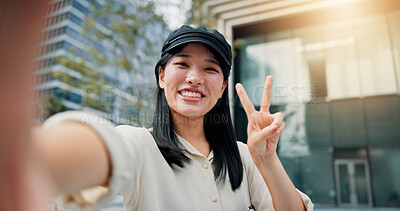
194 77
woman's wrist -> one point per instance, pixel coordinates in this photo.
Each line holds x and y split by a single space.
265 161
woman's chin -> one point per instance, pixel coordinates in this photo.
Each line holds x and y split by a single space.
190 113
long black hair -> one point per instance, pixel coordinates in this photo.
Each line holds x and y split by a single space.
218 130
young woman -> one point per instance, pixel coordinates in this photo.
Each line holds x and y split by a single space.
190 159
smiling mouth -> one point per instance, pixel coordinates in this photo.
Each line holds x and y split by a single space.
191 94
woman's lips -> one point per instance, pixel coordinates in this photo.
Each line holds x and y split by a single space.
191 96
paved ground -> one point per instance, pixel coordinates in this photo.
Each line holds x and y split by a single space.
316 209
356 209
115 208
120 208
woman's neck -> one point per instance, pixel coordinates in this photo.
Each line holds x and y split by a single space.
192 130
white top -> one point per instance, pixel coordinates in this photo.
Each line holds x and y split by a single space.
146 181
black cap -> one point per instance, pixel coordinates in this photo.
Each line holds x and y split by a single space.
210 37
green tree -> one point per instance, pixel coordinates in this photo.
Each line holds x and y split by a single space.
123 41
132 34
48 105
200 16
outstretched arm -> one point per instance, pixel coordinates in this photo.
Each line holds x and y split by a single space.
74 155
263 132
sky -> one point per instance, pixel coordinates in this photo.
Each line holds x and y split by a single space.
173 11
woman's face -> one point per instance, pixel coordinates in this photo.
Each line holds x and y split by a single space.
192 81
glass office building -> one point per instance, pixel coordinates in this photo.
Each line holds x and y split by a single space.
63 37
337 79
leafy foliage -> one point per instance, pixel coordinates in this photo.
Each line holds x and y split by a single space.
123 40
200 16
48 105
127 38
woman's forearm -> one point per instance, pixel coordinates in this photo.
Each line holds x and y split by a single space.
73 154
284 194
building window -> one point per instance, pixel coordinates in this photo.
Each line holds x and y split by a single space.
46 63
53 33
318 77
80 7
338 59
310 54
58 5
56 19
385 174
50 48
394 20
342 71
375 56
75 19
306 170
252 66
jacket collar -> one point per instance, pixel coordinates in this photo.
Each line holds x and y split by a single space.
190 149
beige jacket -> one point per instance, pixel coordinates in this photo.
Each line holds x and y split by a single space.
147 182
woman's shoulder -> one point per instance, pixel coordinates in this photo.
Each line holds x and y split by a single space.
244 152
242 147
132 133
247 160
132 129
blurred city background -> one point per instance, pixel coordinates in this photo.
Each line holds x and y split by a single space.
336 68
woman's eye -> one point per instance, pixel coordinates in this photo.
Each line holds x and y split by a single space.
182 64
212 69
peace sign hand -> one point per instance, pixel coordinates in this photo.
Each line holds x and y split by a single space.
263 128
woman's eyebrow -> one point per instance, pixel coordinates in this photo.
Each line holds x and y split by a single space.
212 61
183 55
189 56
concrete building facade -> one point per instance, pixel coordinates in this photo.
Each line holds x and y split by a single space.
336 69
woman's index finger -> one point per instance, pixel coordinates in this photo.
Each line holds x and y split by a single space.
244 99
266 96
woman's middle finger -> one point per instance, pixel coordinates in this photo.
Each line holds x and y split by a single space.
277 119
266 96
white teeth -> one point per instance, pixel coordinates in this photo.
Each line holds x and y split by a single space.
190 94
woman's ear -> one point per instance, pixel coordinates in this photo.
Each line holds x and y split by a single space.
223 88
161 77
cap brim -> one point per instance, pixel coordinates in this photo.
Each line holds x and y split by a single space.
205 41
